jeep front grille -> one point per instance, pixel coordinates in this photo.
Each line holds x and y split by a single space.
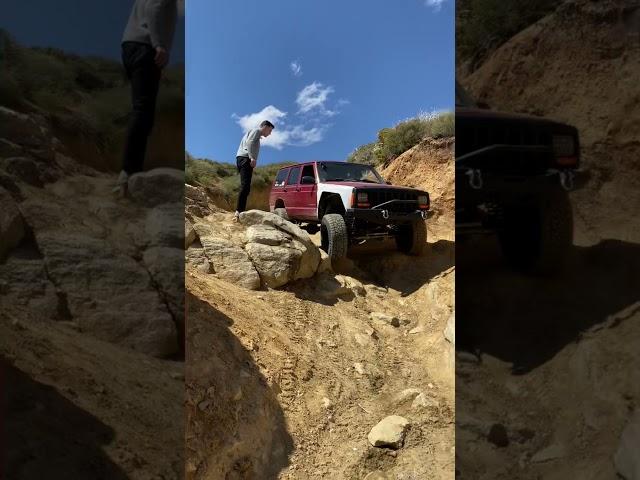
409 199
474 136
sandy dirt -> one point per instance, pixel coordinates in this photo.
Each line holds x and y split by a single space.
545 369
286 384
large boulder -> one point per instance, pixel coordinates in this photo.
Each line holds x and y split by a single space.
157 186
164 226
189 233
281 251
166 267
28 130
11 224
228 260
110 295
626 457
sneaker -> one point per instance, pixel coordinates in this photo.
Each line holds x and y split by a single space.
236 217
122 184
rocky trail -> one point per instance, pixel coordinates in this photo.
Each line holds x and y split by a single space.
562 352
91 313
288 382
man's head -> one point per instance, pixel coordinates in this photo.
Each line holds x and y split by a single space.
266 128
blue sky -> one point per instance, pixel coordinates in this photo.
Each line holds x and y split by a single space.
83 27
329 74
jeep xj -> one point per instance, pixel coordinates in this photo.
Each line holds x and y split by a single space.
513 175
350 203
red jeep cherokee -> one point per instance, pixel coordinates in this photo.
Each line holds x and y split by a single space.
350 203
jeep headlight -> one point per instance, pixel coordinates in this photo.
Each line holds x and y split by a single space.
564 146
423 201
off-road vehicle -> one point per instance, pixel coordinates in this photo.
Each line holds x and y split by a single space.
513 175
350 204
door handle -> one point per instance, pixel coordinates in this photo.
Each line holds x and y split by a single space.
284 190
297 189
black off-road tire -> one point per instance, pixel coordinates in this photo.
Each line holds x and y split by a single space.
281 212
412 238
537 237
334 236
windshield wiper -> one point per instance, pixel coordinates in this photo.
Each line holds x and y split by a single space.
335 180
366 180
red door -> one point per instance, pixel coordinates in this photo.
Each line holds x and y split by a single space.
308 192
291 192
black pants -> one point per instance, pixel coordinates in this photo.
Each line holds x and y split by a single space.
246 172
144 75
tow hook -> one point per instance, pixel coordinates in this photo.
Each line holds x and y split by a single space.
475 178
567 180
385 214
423 214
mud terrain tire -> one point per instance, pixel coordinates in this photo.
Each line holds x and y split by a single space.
412 238
334 236
537 237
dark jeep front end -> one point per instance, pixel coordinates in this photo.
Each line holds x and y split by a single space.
513 175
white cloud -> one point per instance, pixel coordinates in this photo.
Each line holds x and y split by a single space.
435 4
283 135
314 96
296 68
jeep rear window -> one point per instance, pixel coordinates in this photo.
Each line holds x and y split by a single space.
294 174
347 172
281 177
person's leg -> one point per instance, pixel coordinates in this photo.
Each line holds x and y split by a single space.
144 75
246 172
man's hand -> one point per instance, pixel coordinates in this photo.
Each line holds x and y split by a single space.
162 57
253 163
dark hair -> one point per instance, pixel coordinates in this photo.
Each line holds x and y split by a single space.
267 123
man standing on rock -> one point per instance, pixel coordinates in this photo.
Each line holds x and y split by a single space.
246 160
146 44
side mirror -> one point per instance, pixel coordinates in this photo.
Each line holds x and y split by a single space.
306 180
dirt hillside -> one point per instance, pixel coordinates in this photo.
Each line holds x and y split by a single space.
287 383
429 166
561 361
580 65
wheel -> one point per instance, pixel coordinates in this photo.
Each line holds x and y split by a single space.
334 236
281 212
412 238
537 237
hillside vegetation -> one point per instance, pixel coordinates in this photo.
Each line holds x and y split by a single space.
87 102
393 142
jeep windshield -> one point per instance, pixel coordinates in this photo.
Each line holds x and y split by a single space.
348 172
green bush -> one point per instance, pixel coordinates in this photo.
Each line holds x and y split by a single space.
394 141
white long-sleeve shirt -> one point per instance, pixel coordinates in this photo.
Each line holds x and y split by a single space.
152 22
250 145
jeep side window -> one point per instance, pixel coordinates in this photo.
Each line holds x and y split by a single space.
281 177
307 171
294 175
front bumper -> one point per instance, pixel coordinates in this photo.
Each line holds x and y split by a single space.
384 217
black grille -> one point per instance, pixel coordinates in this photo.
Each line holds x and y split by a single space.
408 204
472 136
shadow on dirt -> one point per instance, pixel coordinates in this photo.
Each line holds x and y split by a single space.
235 426
47 436
527 320
406 274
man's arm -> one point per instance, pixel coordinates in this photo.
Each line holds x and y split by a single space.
158 12
253 142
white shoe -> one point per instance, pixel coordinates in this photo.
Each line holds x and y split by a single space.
236 217
121 184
